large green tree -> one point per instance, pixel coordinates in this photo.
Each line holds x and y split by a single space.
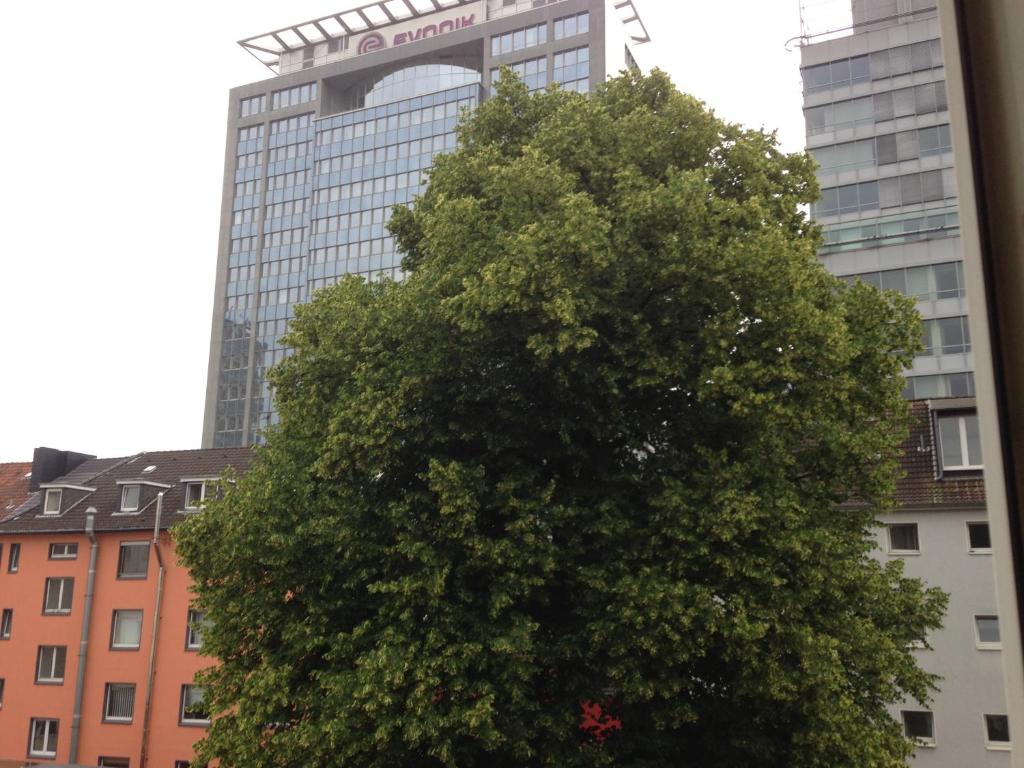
617 439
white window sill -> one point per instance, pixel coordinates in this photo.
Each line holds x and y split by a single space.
904 553
989 646
999 747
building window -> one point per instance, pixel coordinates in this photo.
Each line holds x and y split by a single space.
58 595
919 727
193 706
133 561
289 97
253 106
182 764
43 738
63 551
51 504
1 692
997 731
519 39
903 539
14 558
6 620
130 498
572 69
50 664
979 540
119 703
836 73
946 336
194 634
126 633
195 494
959 441
572 25
114 762
987 632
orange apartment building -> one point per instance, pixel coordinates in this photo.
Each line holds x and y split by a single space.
98 641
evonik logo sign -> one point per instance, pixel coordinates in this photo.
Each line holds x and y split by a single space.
375 41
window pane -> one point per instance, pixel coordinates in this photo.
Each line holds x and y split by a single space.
997 728
918 725
918 282
883 106
931 186
120 704
127 629
894 280
130 498
860 69
979 536
886 149
946 280
973 440
988 629
903 537
949 441
134 561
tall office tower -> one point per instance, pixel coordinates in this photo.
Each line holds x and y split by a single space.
318 155
878 126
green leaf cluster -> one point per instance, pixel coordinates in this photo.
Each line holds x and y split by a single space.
618 438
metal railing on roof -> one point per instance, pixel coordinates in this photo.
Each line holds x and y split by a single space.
269 46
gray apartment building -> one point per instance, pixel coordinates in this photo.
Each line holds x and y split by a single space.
318 155
878 124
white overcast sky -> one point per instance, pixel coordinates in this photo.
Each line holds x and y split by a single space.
113 144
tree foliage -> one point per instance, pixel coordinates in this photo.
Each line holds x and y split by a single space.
618 439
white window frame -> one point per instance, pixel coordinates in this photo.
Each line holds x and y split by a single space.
996 746
6 623
107 717
50 678
118 612
124 493
977 550
14 557
202 495
52 493
194 637
984 645
49 749
901 552
182 719
56 554
962 432
60 610
108 761
919 741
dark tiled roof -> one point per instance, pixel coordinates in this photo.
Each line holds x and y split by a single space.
169 468
920 486
14 485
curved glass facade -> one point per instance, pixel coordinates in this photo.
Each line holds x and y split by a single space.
410 80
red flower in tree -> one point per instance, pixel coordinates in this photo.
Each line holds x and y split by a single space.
597 722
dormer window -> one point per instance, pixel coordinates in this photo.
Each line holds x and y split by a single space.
130 498
51 505
959 441
195 493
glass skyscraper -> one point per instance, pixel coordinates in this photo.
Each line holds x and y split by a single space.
317 156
